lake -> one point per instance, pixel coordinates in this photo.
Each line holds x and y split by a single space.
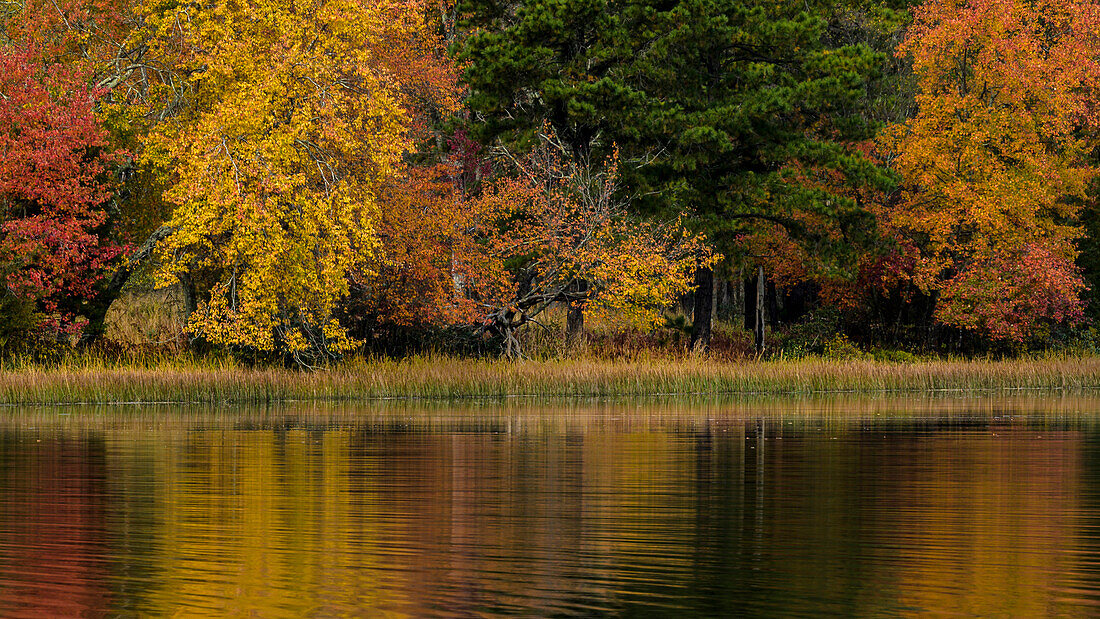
655 507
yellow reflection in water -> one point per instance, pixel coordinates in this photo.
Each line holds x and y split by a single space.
580 507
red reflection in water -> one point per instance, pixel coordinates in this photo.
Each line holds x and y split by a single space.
52 531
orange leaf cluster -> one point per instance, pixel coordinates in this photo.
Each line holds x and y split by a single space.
995 162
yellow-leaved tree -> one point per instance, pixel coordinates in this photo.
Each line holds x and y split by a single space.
289 115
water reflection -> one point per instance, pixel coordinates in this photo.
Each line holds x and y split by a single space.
824 506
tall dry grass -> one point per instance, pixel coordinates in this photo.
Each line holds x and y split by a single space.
186 379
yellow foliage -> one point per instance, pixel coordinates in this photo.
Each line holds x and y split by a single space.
639 269
288 123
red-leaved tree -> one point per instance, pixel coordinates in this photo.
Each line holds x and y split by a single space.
53 161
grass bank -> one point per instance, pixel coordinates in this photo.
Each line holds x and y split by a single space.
92 380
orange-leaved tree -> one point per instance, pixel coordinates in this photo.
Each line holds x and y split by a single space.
498 259
434 267
995 163
556 222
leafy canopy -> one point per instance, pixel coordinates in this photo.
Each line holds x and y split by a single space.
292 119
54 189
708 101
995 161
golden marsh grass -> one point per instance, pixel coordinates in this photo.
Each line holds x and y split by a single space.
92 380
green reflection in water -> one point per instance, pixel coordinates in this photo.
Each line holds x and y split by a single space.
714 507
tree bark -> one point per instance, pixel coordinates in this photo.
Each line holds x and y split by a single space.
97 313
574 318
716 298
775 305
761 292
737 311
701 314
190 303
748 301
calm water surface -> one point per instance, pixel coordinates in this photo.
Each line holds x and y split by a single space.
668 508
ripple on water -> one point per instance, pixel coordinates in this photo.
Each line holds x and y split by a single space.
951 509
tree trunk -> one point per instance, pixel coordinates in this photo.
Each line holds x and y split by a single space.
512 349
190 303
761 292
97 312
748 302
737 311
775 305
574 318
704 300
714 300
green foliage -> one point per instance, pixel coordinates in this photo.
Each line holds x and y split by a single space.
275 157
679 323
808 336
736 113
555 61
754 109
17 323
840 347
894 356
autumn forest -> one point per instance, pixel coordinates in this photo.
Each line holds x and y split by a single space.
501 178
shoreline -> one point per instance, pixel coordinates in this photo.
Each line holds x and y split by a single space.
169 381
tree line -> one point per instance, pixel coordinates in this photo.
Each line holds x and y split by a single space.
319 175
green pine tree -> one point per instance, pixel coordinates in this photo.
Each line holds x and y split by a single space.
718 98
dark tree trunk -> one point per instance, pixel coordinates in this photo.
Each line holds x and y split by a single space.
574 318
716 289
509 329
738 310
775 305
748 302
761 292
190 304
701 315
97 313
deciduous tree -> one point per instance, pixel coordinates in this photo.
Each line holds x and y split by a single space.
434 268
558 221
54 157
716 97
294 115
995 161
